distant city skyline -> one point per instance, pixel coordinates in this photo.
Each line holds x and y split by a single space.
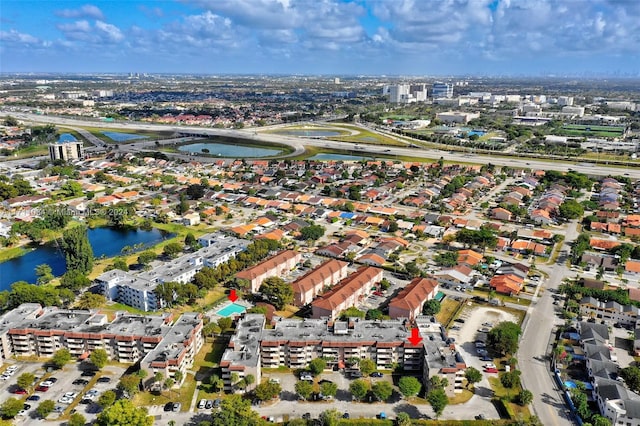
331 37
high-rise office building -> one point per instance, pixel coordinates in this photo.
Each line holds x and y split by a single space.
442 90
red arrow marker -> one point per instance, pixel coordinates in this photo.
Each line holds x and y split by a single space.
233 296
415 338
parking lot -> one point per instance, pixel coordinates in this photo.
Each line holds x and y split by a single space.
63 383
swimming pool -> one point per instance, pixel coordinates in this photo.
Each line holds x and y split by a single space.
231 309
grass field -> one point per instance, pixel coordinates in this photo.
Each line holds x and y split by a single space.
148 135
182 395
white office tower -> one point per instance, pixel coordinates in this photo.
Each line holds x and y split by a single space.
442 90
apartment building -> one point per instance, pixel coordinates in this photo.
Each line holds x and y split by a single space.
410 301
177 350
26 311
610 311
66 151
310 285
347 293
274 266
293 343
127 338
138 289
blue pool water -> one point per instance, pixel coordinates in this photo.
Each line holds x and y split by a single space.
67 137
231 309
122 137
476 132
569 384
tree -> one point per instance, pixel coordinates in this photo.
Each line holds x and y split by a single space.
107 399
448 258
225 323
328 388
503 338
524 397
431 307
409 386
403 419
317 366
169 383
195 191
210 329
631 377
235 411
510 379
130 383
438 382
172 249
472 375
374 314
147 257
268 391
11 407
77 249
312 232
76 419
249 379
74 280
45 408
178 376
90 300
571 209
382 390
99 358
61 357
120 263
277 291
359 389
72 189
25 380
598 420
438 400
367 366
330 417
304 388
124 413
44 274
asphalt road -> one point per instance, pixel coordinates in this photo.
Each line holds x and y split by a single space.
534 345
298 145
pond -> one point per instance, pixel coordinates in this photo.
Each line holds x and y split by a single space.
230 151
309 133
122 137
66 137
105 241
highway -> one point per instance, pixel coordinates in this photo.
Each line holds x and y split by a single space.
298 144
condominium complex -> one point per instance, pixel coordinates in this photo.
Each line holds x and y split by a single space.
313 283
138 289
274 266
159 344
293 343
411 299
66 151
347 293
407 93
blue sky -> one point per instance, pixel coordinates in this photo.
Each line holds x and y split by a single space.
373 37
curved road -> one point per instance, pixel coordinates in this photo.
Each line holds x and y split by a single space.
298 145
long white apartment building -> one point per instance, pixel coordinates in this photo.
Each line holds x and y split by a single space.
31 330
293 343
138 289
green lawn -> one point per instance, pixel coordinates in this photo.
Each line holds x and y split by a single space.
10 253
500 391
182 395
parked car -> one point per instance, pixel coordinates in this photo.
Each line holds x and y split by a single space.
19 391
42 388
460 320
345 416
168 406
80 382
34 398
377 374
356 374
306 416
176 407
202 404
491 370
104 379
217 402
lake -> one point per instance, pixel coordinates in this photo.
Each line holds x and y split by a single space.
230 151
122 137
105 241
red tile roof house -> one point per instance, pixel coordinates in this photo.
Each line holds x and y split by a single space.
409 302
310 285
275 266
349 292
506 284
501 214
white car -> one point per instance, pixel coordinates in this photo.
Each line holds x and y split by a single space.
202 404
65 400
91 394
490 365
47 383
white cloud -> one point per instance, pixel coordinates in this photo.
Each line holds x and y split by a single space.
110 31
98 33
15 37
86 11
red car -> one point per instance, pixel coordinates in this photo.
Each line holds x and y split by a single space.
42 389
377 293
19 391
490 370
